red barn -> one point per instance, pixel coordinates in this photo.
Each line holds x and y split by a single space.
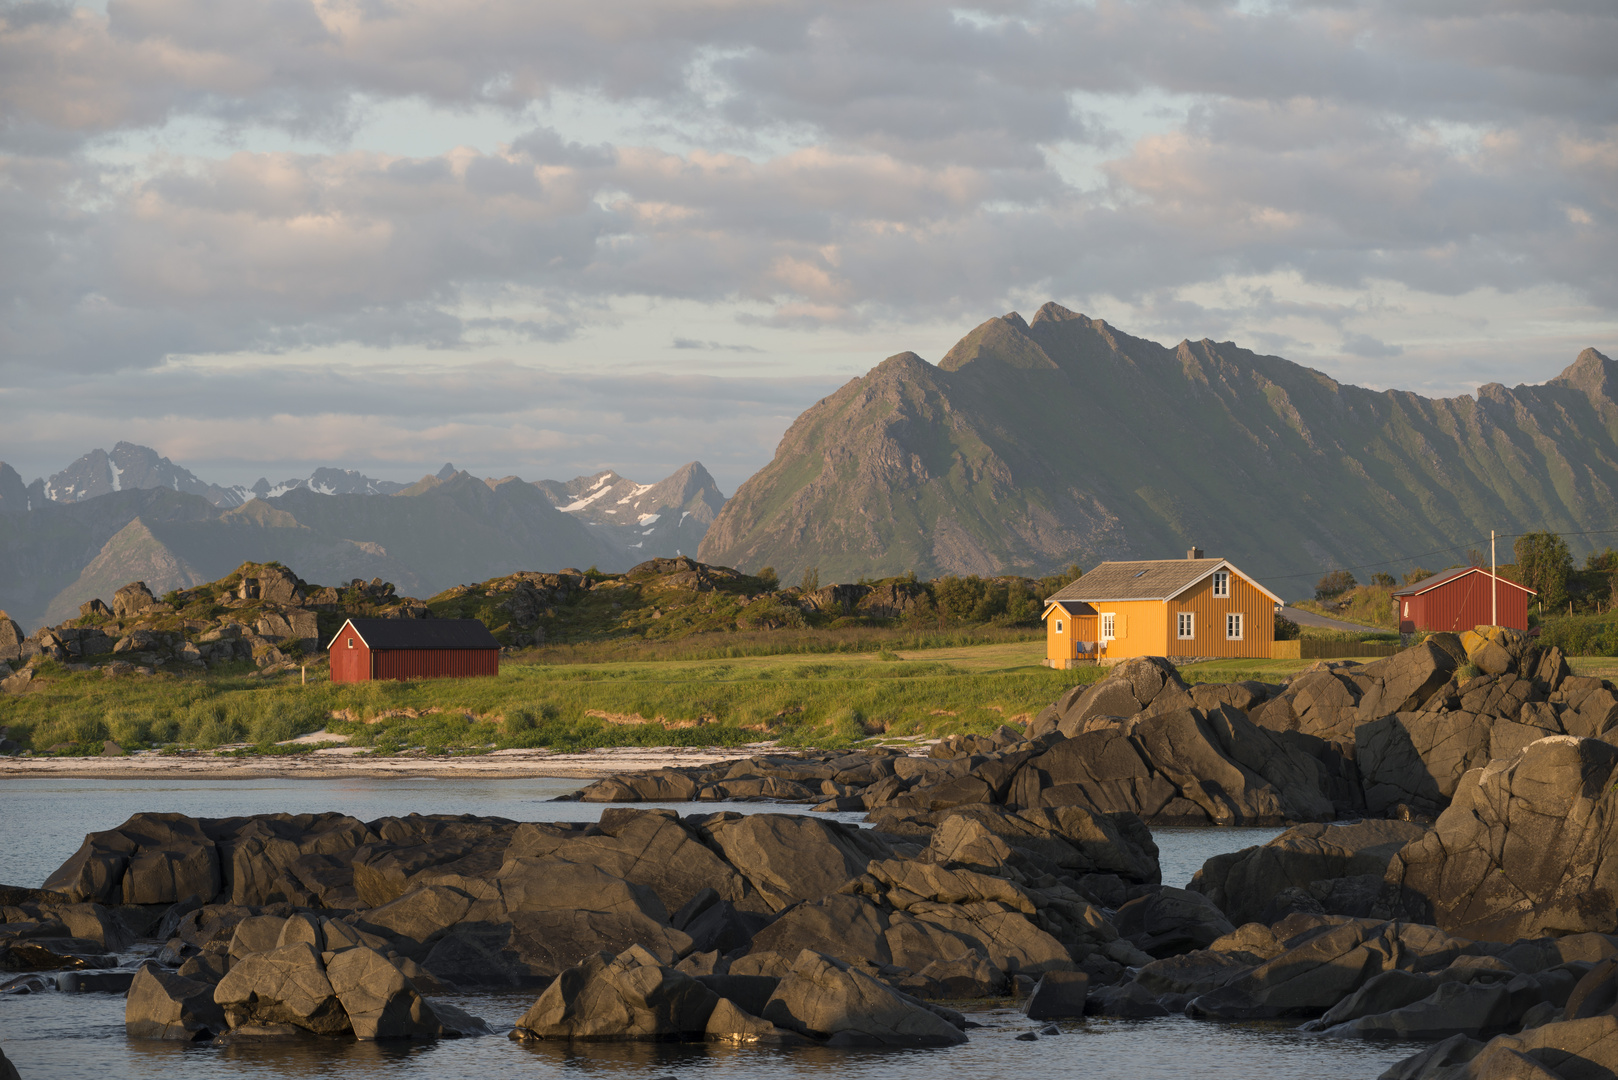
366 649
1458 600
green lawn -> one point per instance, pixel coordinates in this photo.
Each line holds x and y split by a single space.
804 699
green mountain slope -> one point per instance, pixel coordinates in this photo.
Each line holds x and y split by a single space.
1032 445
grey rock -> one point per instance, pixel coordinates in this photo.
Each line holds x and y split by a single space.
161 1005
1059 995
630 996
826 1000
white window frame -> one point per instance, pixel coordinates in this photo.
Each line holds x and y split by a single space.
1186 624
1058 626
1233 621
1107 626
1221 584
350 643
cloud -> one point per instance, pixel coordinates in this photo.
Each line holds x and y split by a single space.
1265 173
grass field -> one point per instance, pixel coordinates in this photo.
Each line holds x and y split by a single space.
800 699
804 699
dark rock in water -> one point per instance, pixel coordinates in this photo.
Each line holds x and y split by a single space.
631 996
1571 1050
1127 1001
161 1005
381 1003
1458 1008
1171 921
788 858
826 1000
1059 995
8 1071
1310 857
1524 851
1441 1061
1316 973
95 982
286 986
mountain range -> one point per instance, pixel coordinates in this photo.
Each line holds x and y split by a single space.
133 515
1035 444
1031 445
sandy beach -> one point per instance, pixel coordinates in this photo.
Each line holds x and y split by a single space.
346 761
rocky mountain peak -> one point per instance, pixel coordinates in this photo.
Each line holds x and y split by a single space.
1032 446
447 471
13 492
128 466
1592 373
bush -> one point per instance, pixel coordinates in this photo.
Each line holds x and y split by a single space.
1334 585
1286 629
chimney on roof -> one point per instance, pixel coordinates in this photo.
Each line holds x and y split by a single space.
1194 553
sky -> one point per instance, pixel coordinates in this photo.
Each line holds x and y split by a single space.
547 238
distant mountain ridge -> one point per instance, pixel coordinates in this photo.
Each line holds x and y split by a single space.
668 518
134 515
1031 445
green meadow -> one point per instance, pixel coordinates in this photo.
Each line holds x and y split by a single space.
826 700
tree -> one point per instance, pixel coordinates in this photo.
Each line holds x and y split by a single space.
768 578
811 579
1544 564
1417 573
1334 584
1383 580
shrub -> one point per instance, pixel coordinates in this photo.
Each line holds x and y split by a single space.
1334 584
1286 629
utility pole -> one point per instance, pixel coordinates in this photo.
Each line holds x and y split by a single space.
1494 586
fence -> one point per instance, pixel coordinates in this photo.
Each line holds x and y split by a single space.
1325 649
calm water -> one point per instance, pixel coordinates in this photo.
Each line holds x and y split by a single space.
48 1036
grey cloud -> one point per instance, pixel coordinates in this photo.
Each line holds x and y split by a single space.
1445 147
692 343
1368 346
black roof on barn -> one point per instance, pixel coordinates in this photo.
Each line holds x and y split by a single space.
421 634
1446 576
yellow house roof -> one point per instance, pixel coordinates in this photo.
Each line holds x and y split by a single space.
1147 579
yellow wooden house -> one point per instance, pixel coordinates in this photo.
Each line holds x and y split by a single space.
1180 608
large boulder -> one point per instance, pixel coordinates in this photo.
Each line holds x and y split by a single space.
1418 759
8 1071
163 1005
1167 922
1570 1050
1315 856
1526 849
288 986
630 996
379 1001
788 858
132 599
826 1000
650 848
1318 971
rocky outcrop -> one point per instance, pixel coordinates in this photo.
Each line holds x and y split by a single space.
1526 848
1569 1050
830 1001
631 996
1337 868
164 1005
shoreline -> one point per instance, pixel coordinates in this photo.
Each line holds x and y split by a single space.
339 762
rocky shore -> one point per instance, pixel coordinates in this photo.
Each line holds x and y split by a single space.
1447 882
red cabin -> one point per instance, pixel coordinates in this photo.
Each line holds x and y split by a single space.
1458 600
366 649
